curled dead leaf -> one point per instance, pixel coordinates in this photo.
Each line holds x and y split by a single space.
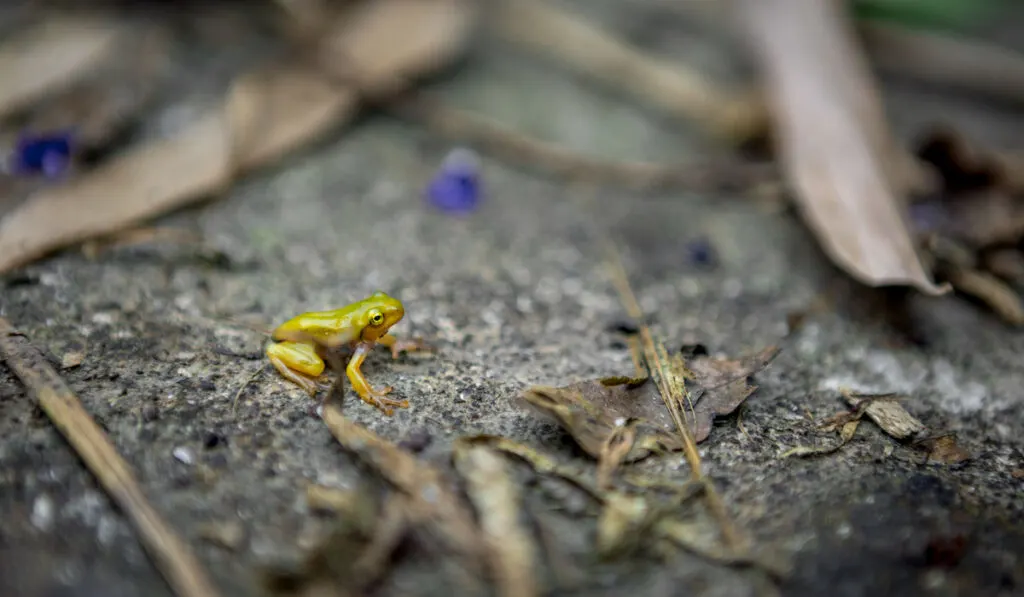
848 173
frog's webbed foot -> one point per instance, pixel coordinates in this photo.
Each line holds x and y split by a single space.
378 399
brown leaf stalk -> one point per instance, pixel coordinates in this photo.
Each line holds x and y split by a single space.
171 555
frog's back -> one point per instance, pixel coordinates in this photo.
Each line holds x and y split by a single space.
336 324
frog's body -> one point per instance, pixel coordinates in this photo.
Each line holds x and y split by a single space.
300 343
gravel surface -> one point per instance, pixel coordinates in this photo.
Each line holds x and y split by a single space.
513 295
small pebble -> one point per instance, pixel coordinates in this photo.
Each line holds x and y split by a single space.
228 534
184 455
42 513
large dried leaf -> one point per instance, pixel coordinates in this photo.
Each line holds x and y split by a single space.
266 115
592 411
847 172
52 55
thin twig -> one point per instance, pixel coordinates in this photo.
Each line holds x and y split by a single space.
171 555
941 59
681 91
399 98
672 402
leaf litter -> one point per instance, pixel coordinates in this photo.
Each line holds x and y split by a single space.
267 114
594 412
972 229
885 411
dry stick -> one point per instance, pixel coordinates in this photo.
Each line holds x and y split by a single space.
515 147
398 98
621 280
171 555
682 92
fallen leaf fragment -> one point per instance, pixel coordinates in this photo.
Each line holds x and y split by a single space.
847 171
430 498
512 551
722 385
267 114
887 413
982 202
72 359
944 449
848 430
539 461
228 534
350 558
332 499
992 291
622 523
592 411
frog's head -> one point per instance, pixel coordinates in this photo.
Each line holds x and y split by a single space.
382 312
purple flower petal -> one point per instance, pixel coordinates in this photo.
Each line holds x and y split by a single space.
456 186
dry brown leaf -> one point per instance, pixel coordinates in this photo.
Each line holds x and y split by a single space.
496 497
722 385
102 105
267 114
846 170
945 450
52 55
983 199
887 413
592 411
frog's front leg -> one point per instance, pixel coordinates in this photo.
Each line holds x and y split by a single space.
362 387
298 363
399 346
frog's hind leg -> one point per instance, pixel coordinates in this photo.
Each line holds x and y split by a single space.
298 363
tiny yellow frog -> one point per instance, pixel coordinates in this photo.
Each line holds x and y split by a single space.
301 344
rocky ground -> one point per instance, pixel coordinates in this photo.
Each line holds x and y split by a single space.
513 295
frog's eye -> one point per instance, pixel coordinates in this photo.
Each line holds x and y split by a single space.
376 318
